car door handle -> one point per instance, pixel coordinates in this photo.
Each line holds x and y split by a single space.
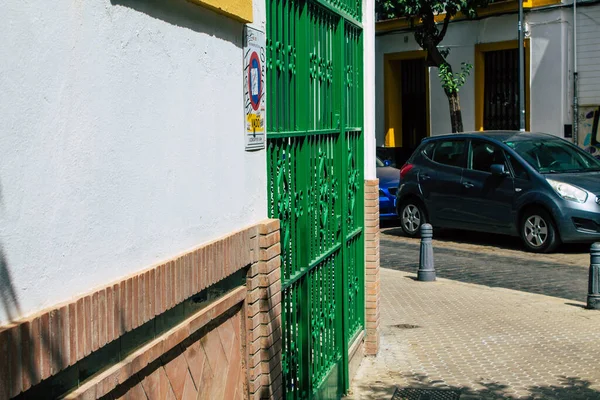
468 185
425 177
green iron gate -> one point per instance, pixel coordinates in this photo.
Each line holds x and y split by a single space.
315 167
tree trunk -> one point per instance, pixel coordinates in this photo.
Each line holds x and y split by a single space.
436 59
455 114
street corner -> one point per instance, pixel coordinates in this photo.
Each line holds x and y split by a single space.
447 337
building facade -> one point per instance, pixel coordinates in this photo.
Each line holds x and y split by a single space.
489 98
587 66
140 254
137 257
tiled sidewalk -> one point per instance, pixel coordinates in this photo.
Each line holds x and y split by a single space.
488 342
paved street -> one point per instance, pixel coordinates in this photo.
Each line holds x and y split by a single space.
499 323
481 342
568 254
477 260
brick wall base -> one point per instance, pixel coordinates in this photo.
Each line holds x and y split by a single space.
201 358
229 348
263 322
372 284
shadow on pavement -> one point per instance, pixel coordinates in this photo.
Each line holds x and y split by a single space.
576 305
567 388
392 228
390 223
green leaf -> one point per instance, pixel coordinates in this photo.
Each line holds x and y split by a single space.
389 9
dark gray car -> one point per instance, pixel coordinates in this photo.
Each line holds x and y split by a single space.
533 185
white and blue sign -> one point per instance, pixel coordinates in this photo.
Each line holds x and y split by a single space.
254 89
254 81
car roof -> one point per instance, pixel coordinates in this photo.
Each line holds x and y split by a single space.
501 136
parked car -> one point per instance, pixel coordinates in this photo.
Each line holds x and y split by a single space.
533 185
388 184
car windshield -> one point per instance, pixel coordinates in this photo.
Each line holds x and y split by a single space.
378 162
552 156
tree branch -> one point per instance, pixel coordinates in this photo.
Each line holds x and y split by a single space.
442 33
437 58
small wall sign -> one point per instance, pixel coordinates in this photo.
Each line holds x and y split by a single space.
254 89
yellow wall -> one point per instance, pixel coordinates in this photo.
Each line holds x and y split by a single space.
393 98
236 9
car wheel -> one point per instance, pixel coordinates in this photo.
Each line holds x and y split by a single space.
538 231
412 216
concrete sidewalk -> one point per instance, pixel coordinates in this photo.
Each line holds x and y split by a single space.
487 343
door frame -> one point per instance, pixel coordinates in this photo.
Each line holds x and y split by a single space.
480 50
392 84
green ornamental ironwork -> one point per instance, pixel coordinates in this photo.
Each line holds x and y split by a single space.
315 169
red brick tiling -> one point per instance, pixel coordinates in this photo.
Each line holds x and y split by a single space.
61 336
196 360
46 355
209 368
110 314
5 382
28 353
177 373
372 285
157 387
203 363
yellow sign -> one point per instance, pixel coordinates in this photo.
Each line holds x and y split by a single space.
255 123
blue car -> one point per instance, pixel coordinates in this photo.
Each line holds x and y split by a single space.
388 184
533 185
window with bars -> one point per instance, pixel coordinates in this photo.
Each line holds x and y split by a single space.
501 90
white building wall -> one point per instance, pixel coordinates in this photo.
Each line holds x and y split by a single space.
549 72
549 78
588 54
122 142
369 87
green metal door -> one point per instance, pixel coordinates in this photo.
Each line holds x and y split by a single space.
315 167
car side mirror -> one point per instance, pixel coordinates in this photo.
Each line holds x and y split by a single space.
498 170
387 163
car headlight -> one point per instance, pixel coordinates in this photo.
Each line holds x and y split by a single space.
568 192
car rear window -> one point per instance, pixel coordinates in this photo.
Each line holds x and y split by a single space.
449 152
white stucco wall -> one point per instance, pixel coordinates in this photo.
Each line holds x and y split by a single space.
122 142
588 54
549 77
369 87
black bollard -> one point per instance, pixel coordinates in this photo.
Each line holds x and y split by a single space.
426 272
593 298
